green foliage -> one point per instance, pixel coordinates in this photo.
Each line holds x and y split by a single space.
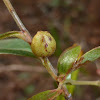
17 34
46 95
91 55
67 58
60 97
15 47
73 76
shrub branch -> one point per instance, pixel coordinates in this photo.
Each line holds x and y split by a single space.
17 20
49 67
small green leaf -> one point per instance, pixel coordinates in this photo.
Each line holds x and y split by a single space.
17 34
60 97
74 76
44 95
67 58
91 55
15 47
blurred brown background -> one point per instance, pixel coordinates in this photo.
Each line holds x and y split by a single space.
69 21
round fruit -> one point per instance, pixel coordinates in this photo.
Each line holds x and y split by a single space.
43 44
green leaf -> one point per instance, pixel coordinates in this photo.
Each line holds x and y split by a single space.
90 55
18 34
60 97
73 76
67 58
44 95
15 47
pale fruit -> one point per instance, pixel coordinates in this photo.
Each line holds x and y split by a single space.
43 44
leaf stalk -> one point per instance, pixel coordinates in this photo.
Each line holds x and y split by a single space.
73 82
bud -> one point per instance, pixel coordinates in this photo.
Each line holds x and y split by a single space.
43 44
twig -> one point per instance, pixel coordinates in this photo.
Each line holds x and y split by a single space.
17 20
73 82
49 67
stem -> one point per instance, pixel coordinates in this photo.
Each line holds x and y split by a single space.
73 82
49 67
67 95
17 20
